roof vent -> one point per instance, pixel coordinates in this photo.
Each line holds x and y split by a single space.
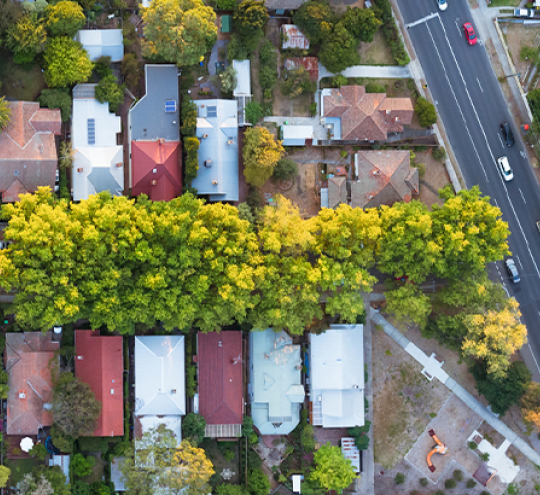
220 344
80 170
376 172
22 395
16 173
161 141
154 171
112 391
370 196
204 136
356 387
154 182
173 391
388 112
208 163
80 358
119 164
214 182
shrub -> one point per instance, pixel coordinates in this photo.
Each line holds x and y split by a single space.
424 482
439 153
421 169
399 479
484 456
189 116
57 98
439 492
450 483
82 466
458 475
108 90
103 67
191 383
285 169
470 483
254 112
39 451
338 81
375 88
529 53
226 4
193 427
313 109
298 82
80 488
131 69
228 81
426 112
237 50
473 445
93 444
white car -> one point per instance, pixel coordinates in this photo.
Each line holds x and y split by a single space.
505 169
443 4
524 13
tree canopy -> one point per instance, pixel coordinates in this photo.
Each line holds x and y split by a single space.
5 473
57 98
261 153
66 63
26 38
249 19
178 31
5 113
315 20
193 427
64 18
361 23
530 405
339 49
109 91
332 471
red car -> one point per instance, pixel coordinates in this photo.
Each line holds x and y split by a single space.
469 33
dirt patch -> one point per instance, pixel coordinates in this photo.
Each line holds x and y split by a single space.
518 36
377 52
403 400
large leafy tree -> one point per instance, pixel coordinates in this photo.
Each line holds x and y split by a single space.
261 153
5 113
158 465
470 232
57 98
495 337
333 471
250 17
406 246
339 49
43 481
10 12
315 19
75 408
361 23
64 18
193 427
66 63
109 91
26 38
5 473
409 304
530 405
179 31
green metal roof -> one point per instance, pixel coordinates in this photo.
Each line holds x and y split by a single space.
226 23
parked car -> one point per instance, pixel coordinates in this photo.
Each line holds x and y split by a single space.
443 4
504 168
507 133
524 13
470 36
512 270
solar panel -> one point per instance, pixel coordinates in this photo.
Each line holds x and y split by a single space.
211 111
91 131
170 106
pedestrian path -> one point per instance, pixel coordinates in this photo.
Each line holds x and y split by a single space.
375 71
456 388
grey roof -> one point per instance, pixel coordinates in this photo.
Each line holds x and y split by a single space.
337 376
102 43
337 192
116 475
147 118
283 4
276 382
217 120
102 180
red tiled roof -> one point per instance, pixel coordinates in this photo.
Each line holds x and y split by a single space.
220 379
27 358
28 150
164 158
100 363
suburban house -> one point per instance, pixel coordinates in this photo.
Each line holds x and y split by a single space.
336 383
275 382
154 137
280 6
220 377
100 363
292 38
28 357
351 114
242 92
217 131
102 43
98 160
310 64
160 394
28 154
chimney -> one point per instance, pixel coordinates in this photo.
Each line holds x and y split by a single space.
80 170
376 172
154 182
119 164
214 182
161 141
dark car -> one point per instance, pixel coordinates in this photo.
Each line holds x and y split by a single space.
507 134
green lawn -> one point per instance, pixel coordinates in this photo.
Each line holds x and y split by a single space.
19 468
504 3
19 82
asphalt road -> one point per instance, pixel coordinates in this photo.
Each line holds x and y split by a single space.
471 105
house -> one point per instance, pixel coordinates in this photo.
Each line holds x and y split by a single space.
280 6
28 358
217 131
297 135
242 92
154 137
221 401
98 161
337 377
160 394
102 43
310 64
292 37
100 363
355 115
28 154
275 382
384 178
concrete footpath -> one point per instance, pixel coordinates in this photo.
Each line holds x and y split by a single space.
374 71
455 387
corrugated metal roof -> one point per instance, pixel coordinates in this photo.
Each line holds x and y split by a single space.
226 23
311 64
293 37
296 135
243 77
102 43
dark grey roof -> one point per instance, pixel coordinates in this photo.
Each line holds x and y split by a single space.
102 180
148 119
283 4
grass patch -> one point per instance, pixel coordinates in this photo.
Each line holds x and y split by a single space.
504 3
20 467
20 82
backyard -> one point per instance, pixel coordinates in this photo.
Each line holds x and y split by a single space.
224 455
19 82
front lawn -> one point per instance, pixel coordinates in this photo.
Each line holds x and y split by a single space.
20 467
19 82
504 3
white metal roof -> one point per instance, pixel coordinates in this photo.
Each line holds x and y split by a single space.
350 451
243 77
102 43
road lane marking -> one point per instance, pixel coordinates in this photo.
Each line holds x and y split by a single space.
480 85
458 30
518 260
500 139
523 197
421 21
532 354
485 138
496 204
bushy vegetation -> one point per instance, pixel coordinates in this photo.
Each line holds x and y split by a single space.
57 98
383 10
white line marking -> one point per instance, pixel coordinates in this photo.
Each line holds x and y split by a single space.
519 261
458 30
480 85
522 196
487 144
500 139
505 289
532 354
421 21
496 204
538 313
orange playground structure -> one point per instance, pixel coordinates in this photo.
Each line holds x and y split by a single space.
438 448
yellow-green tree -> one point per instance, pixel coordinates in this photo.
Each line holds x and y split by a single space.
5 473
530 405
261 152
409 305
5 113
495 336
178 31
66 63
64 18
333 471
26 38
